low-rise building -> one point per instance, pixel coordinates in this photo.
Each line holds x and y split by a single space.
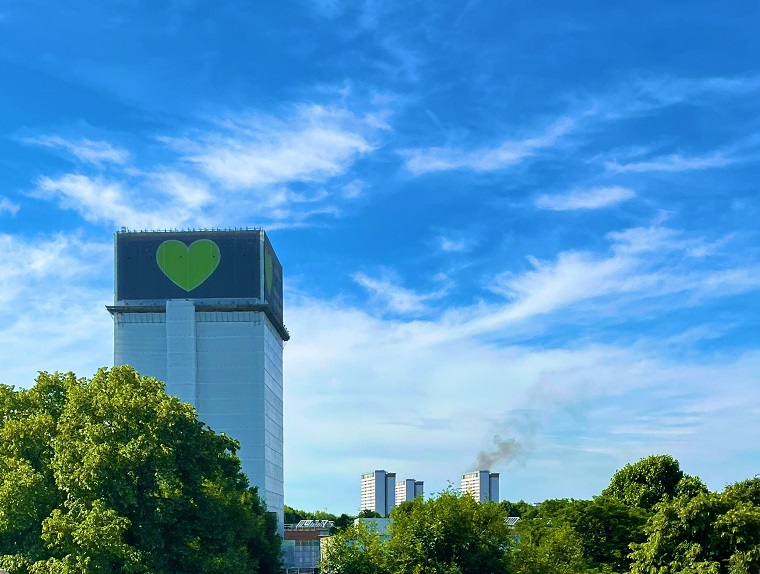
301 545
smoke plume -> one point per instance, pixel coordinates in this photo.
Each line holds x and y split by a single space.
504 452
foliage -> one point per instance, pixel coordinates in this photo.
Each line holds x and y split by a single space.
644 483
585 534
686 530
552 550
294 516
519 508
448 534
112 475
711 533
355 550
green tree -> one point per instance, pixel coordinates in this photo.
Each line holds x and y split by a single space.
449 533
516 508
644 483
342 522
710 533
293 515
112 475
553 549
606 528
355 550
578 535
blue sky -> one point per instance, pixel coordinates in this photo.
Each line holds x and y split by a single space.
533 221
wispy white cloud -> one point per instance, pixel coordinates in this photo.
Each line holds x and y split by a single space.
646 94
317 143
672 163
53 289
7 206
245 167
353 189
451 244
594 198
648 268
632 98
162 200
511 152
434 402
85 150
395 298
26 263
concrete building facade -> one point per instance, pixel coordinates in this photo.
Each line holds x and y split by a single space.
379 491
202 311
482 485
408 489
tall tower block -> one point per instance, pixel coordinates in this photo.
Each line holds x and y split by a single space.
202 311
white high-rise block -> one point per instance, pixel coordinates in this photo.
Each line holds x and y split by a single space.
482 485
209 324
379 491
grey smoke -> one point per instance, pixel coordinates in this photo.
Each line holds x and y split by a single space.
504 452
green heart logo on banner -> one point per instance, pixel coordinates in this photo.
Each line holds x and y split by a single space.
268 273
188 267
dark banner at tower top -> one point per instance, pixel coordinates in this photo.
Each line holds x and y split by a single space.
210 265
272 280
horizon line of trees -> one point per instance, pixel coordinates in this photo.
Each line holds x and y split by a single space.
652 518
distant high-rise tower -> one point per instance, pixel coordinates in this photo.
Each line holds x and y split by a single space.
408 489
483 485
379 491
202 311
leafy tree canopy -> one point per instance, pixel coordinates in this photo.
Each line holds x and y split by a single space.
647 481
710 533
519 508
447 534
112 475
595 534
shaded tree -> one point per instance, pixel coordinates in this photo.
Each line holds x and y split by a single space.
710 533
595 534
645 482
113 475
449 533
355 550
553 549
516 508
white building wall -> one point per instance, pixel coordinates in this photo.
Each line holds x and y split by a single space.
379 491
408 489
140 341
483 485
228 366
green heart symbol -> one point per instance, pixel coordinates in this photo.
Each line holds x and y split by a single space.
268 272
186 266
